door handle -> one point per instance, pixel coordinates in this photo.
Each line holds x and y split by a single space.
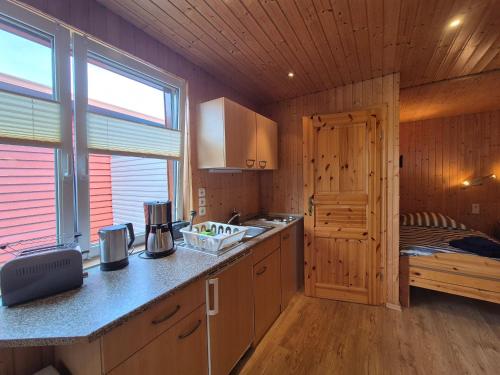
262 164
311 205
250 163
215 284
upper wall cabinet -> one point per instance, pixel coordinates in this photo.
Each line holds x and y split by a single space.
234 137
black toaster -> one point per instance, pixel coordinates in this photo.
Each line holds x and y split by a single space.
41 272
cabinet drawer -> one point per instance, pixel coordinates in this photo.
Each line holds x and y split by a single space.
263 249
123 341
180 350
267 293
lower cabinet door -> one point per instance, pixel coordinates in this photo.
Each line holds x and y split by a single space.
180 350
267 293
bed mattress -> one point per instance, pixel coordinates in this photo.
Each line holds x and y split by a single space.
416 240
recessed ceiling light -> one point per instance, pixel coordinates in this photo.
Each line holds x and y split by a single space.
455 22
291 75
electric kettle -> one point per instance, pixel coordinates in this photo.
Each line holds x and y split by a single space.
114 247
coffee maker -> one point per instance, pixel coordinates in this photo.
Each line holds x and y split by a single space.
159 235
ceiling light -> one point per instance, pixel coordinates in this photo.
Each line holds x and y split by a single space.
291 75
455 23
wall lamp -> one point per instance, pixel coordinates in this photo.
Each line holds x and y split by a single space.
478 180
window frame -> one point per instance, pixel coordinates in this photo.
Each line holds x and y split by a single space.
61 52
83 47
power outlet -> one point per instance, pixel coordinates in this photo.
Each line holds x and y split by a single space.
475 208
202 202
202 211
201 192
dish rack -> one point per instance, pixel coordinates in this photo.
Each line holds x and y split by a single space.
222 235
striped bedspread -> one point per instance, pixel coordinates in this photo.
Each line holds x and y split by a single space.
414 240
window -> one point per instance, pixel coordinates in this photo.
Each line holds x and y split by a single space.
36 186
18 73
128 129
77 104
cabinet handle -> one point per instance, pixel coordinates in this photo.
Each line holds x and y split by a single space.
286 236
167 316
215 284
262 270
182 336
250 163
262 164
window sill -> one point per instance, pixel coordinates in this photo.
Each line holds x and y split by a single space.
96 260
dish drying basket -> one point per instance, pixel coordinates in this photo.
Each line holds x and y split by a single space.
225 235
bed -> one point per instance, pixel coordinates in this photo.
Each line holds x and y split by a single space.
427 260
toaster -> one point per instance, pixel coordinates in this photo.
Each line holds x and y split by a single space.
41 272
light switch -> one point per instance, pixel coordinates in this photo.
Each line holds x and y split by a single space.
202 202
202 211
201 192
475 208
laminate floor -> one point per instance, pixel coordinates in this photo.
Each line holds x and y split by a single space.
439 334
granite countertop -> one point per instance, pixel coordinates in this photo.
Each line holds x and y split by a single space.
107 299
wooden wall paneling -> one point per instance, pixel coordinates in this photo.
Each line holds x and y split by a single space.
201 86
282 190
439 154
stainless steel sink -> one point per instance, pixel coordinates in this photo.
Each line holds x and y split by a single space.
255 231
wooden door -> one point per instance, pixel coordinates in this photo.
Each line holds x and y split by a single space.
240 136
230 309
267 291
342 200
267 143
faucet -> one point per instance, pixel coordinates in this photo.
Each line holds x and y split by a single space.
235 215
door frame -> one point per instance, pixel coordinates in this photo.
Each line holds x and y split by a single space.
378 293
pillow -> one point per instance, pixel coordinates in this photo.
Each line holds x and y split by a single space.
430 219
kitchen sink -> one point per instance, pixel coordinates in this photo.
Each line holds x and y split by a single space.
255 231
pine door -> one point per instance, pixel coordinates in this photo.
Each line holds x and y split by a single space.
342 201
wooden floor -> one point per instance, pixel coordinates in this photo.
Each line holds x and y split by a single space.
439 334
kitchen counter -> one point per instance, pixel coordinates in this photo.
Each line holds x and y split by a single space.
108 299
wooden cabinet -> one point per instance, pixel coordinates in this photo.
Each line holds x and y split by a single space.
239 136
234 137
288 253
230 315
180 350
265 248
144 327
168 338
267 293
267 143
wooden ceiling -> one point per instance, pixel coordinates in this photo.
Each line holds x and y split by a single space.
253 44
471 94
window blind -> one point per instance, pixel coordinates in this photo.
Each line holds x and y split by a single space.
30 120
109 134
